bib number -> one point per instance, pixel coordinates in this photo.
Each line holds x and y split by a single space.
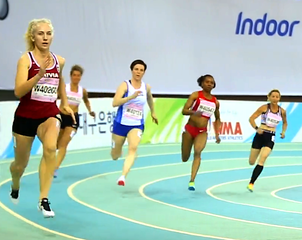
206 108
45 90
134 112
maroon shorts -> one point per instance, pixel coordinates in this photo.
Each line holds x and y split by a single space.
194 131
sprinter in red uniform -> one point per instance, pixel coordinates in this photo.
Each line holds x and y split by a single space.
200 106
38 83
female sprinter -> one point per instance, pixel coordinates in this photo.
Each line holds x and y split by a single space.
200 106
75 94
38 79
271 115
130 98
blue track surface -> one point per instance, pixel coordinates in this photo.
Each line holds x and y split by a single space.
77 220
294 193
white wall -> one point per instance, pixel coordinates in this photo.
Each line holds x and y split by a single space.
179 39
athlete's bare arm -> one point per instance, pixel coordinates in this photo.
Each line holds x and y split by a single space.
86 100
22 85
118 98
62 89
256 114
284 120
150 99
186 109
217 124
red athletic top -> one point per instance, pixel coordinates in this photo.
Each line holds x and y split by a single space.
40 102
204 105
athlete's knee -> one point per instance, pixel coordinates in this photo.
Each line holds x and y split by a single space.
253 156
197 154
116 151
252 160
185 157
49 149
21 161
18 167
132 149
262 160
198 150
115 155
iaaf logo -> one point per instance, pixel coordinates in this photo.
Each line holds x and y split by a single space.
265 25
229 131
4 9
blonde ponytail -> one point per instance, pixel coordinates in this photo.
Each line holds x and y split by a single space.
29 35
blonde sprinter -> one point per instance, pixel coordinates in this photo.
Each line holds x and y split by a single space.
37 84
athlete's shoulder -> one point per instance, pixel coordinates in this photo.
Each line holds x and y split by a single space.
283 110
24 60
148 86
214 98
196 94
60 59
122 87
263 107
24 57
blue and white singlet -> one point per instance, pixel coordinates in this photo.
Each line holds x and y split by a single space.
132 112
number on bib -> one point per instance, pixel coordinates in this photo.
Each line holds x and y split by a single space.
45 90
134 112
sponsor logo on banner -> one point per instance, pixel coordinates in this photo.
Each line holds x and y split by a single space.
228 131
265 25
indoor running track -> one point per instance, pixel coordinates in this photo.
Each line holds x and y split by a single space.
155 203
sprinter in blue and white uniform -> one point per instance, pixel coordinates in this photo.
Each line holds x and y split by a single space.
130 98
271 115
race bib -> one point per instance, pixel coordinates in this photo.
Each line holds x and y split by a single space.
134 112
46 90
272 121
207 108
74 100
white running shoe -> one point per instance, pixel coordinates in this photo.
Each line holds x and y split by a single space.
121 181
44 207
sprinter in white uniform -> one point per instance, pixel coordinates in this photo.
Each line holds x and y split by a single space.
263 143
75 94
130 98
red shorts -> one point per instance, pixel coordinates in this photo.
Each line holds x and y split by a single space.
194 131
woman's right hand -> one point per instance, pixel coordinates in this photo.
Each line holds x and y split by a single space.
135 94
259 131
44 66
